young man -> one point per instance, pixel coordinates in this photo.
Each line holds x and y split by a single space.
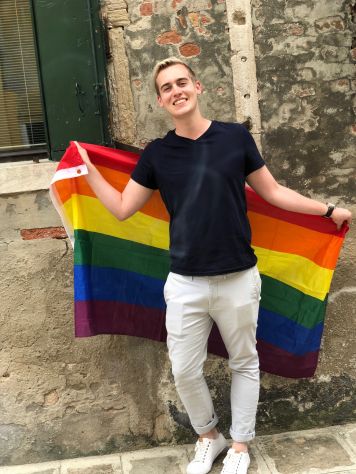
201 168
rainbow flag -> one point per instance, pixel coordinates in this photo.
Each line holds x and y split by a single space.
120 267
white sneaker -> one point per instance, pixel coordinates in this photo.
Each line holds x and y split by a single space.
236 463
206 451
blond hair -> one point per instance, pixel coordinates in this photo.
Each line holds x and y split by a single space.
172 61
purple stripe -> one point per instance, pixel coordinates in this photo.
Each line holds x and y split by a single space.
113 317
282 363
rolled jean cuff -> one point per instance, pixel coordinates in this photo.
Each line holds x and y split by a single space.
200 430
241 438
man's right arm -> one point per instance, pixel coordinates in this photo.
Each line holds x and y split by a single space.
121 205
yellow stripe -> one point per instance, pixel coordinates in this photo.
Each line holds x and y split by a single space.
295 271
94 217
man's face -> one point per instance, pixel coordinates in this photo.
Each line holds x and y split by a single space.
177 90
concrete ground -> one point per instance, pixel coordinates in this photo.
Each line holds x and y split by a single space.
316 451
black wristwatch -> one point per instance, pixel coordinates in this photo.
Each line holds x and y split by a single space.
330 210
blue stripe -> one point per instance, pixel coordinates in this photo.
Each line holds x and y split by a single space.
288 335
111 284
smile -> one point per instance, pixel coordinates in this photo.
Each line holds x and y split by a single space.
179 101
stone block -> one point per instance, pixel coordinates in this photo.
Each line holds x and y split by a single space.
118 18
146 9
340 85
330 23
305 452
97 469
189 49
169 37
155 461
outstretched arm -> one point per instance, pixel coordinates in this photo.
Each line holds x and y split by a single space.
121 205
267 187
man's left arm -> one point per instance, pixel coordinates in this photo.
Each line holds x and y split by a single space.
267 187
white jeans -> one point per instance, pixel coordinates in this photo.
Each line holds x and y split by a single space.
232 301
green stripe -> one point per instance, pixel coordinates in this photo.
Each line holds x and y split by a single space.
102 250
291 303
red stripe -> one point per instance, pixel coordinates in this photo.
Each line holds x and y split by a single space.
256 204
120 160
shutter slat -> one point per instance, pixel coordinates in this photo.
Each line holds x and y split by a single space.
21 114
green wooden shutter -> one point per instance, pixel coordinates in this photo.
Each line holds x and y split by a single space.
72 69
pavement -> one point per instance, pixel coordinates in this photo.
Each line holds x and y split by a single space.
316 451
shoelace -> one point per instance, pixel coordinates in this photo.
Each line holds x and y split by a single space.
233 459
201 448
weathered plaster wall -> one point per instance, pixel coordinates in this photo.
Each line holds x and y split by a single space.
62 397
306 80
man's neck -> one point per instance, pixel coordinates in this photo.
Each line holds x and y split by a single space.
192 127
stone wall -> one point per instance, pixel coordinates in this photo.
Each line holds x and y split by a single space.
149 31
306 81
63 397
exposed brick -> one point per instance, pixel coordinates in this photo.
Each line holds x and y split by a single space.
175 3
194 18
303 90
189 49
137 83
330 23
146 9
169 37
353 129
334 53
295 29
340 85
43 233
205 19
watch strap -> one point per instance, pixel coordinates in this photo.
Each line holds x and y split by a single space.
330 210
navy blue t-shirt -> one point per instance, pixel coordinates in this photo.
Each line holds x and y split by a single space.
202 183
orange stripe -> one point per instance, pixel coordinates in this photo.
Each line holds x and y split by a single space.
269 233
65 188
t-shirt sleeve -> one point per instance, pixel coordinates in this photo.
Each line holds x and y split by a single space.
253 158
144 172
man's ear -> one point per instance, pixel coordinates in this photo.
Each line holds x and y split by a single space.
199 87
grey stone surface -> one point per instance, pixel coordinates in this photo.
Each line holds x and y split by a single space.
324 452
165 460
98 469
318 451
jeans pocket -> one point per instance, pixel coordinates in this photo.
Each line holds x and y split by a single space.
174 318
257 281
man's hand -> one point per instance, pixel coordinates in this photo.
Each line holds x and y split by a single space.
341 215
83 153
121 205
